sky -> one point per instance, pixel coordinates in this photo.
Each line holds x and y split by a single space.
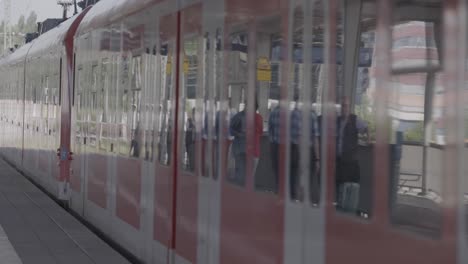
44 9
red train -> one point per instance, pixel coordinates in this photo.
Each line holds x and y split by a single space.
177 128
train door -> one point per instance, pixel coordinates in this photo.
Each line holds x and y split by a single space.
97 147
78 126
389 186
210 98
304 236
149 102
44 157
191 140
55 129
163 206
255 78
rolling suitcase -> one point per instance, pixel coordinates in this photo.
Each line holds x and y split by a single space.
349 197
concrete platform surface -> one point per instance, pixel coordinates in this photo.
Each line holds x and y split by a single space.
35 230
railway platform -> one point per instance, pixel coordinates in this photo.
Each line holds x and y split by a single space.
36 230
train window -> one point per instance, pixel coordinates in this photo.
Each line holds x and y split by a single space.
45 104
190 80
55 90
93 104
165 102
415 107
34 93
207 111
79 92
237 83
355 121
268 69
151 102
305 108
217 70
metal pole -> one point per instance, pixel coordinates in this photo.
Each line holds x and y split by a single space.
76 9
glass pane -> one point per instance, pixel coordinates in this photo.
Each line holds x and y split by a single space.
267 121
415 110
150 61
237 85
167 64
217 69
414 44
136 149
355 123
190 80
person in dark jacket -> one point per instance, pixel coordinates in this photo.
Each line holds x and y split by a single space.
190 141
348 126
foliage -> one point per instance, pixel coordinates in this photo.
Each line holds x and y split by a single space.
365 111
20 29
415 134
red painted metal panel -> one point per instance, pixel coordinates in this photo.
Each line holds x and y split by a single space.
252 223
187 212
186 224
251 227
129 191
162 205
97 179
75 178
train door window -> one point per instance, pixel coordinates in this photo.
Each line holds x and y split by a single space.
93 106
208 109
304 109
112 110
79 98
415 109
124 101
210 90
219 134
268 69
103 91
237 84
45 104
137 129
190 82
167 59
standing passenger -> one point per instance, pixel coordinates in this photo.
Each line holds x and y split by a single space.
258 138
296 131
190 141
274 137
237 128
349 126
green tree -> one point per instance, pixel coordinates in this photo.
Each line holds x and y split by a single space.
415 134
21 24
31 23
366 112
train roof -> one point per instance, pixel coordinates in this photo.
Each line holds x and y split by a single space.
106 12
17 56
52 38
43 44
